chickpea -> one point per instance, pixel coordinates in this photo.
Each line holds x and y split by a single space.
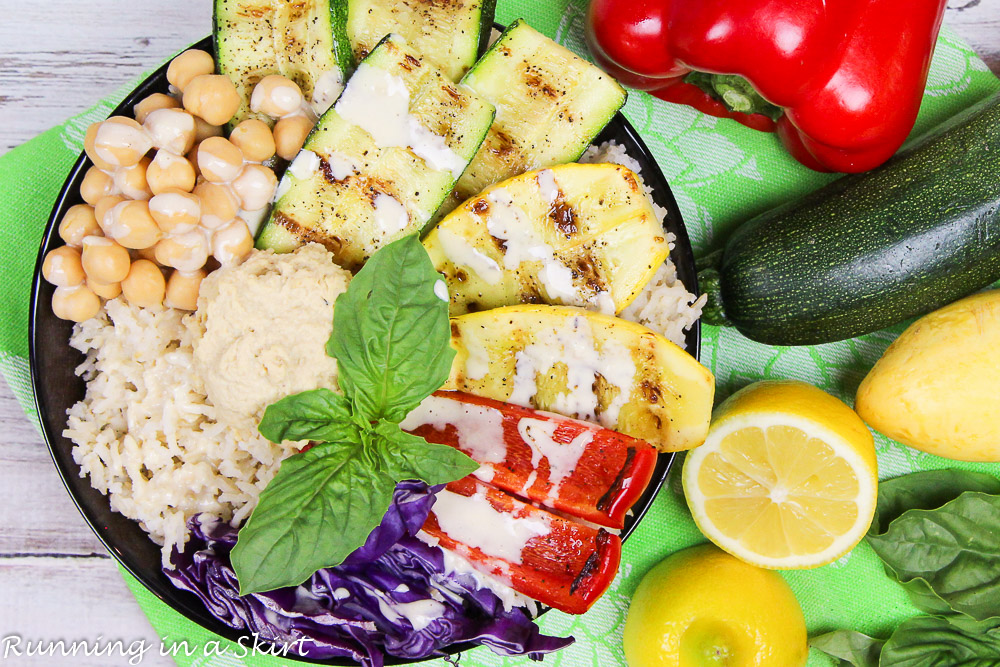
170 172
276 96
187 66
253 137
152 103
255 186
144 285
144 253
185 252
104 260
232 243
219 160
104 290
76 304
96 184
203 130
171 129
213 97
219 204
103 208
78 223
182 289
289 135
117 142
62 267
131 181
192 157
132 225
175 211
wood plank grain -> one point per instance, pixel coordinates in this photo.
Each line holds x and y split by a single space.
978 22
59 58
49 599
36 512
88 50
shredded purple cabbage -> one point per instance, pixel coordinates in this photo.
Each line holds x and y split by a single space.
354 610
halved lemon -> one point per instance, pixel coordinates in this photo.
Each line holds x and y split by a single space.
787 477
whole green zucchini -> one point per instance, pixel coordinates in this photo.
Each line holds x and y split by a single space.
872 249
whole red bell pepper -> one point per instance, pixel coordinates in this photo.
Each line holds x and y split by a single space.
842 80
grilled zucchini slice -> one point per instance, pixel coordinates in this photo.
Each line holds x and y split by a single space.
380 162
575 234
550 105
585 365
255 38
449 34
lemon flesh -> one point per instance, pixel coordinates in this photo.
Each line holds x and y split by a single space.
787 477
702 607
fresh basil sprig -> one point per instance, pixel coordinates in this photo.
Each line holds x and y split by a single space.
850 648
392 334
391 338
938 535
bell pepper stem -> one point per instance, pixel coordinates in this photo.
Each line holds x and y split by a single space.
735 93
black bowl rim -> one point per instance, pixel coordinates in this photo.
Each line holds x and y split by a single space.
185 602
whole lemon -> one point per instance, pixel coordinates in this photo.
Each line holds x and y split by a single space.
702 607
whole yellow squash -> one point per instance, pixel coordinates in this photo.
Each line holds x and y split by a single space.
937 387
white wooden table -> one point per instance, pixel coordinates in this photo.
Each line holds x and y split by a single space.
57 58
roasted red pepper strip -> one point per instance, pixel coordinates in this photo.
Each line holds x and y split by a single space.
560 563
577 468
849 74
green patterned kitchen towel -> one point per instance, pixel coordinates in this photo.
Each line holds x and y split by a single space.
721 173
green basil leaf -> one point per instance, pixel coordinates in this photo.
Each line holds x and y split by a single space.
926 490
954 549
407 456
849 648
391 333
927 641
319 414
319 508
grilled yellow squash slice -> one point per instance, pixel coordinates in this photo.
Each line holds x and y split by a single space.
576 234
585 365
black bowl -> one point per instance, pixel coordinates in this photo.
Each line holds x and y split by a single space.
56 387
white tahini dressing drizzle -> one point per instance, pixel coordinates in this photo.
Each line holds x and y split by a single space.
420 613
562 457
547 185
441 290
112 135
170 129
379 103
390 216
509 223
305 164
170 204
341 166
473 521
574 346
460 253
325 91
479 428
477 363
454 565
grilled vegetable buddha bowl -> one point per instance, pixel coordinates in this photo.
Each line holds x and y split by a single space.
348 440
